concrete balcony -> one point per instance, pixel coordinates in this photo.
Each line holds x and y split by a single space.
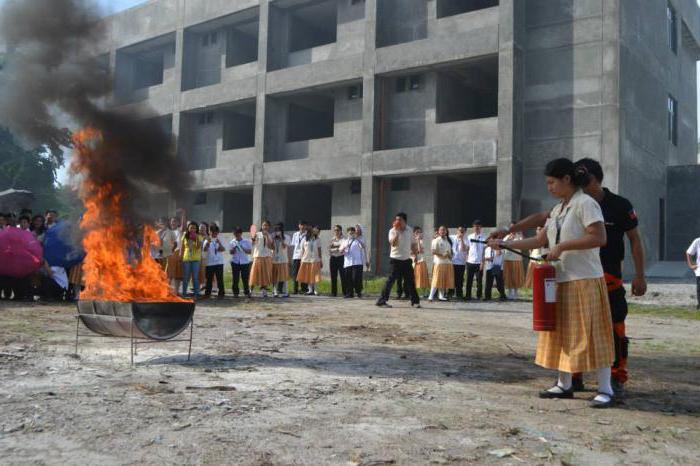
231 89
321 73
322 169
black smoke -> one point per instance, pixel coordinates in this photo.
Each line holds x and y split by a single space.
53 70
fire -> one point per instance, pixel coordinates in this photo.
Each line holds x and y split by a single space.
116 267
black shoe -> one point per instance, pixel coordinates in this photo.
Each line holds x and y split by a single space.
577 385
487 299
468 298
503 299
603 404
383 304
565 394
416 305
618 388
348 296
359 295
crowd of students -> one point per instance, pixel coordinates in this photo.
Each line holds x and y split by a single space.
52 282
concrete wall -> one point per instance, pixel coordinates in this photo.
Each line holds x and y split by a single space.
683 200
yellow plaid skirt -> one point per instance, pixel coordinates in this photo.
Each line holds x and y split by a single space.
261 272
443 277
583 339
528 277
309 273
513 274
420 272
280 272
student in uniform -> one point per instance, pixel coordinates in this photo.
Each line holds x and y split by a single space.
493 266
420 269
240 248
583 338
535 253
297 238
694 251
215 262
261 271
309 272
359 235
280 262
174 266
513 274
354 257
204 233
337 261
403 244
459 261
442 249
191 254
475 254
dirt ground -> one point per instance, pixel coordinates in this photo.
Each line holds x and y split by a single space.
333 381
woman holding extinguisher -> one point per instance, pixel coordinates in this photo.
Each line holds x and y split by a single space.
582 340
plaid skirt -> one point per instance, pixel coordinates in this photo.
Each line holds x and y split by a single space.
420 272
261 272
280 272
174 267
528 278
583 339
75 275
309 273
513 274
443 277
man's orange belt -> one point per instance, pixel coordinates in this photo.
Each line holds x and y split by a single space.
613 282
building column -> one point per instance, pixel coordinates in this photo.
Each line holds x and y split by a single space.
260 109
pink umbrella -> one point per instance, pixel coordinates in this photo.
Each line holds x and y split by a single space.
20 253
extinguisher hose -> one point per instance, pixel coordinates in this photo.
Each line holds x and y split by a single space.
515 251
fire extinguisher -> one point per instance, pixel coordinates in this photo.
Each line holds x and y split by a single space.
544 298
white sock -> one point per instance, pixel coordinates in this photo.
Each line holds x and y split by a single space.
603 375
563 384
441 294
515 293
432 293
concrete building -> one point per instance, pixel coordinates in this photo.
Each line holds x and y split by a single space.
346 111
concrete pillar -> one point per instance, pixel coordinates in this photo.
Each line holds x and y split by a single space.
610 98
260 110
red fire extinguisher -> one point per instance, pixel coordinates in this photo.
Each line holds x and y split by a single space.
544 298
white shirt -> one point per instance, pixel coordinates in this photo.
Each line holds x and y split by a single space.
581 212
280 255
309 250
353 251
510 255
60 277
441 246
239 256
493 258
214 256
459 250
297 237
335 245
476 250
260 249
402 251
694 250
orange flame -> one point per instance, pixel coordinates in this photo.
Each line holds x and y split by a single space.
115 267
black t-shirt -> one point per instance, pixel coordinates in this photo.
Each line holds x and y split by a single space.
620 217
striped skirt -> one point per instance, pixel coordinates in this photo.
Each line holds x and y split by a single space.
443 277
583 339
261 272
280 272
420 272
530 271
309 273
174 267
513 274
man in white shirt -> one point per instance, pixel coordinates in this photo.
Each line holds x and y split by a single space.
694 250
459 260
295 245
215 262
403 244
354 258
474 259
239 248
493 264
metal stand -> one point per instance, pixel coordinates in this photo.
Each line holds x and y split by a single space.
135 341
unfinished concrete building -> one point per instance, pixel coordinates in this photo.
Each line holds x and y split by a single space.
346 111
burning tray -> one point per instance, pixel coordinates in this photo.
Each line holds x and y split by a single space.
155 321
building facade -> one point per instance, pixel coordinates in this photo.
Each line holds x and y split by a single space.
346 111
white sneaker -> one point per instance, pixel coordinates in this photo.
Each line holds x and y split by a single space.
264 293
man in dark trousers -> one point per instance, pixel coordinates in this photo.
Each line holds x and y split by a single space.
403 244
620 221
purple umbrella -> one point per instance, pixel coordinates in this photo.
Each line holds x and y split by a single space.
20 253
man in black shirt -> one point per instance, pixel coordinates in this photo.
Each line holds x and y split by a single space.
620 221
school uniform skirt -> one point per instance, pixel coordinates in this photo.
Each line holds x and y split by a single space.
261 272
583 338
528 277
309 273
420 271
280 272
513 274
174 267
443 277
75 275
163 262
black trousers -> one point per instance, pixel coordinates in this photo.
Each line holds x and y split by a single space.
496 273
240 272
296 264
400 290
210 271
5 287
50 291
474 271
353 281
697 279
337 271
400 269
459 279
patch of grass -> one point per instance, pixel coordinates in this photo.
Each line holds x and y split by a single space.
678 312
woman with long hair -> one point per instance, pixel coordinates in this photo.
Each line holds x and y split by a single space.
310 270
420 270
280 261
261 271
583 338
191 254
513 273
443 272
